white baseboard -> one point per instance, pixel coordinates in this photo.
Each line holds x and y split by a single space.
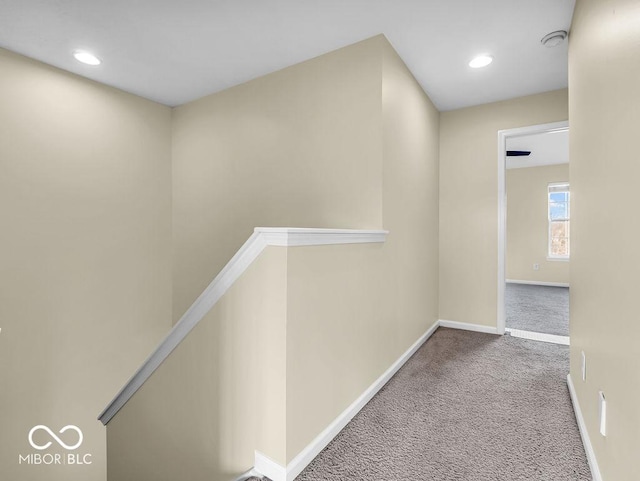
538 283
268 467
468 327
276 472
539 336
584 434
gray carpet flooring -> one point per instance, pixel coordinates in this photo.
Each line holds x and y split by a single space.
537 308
466 407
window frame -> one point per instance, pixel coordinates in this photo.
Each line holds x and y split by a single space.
552 188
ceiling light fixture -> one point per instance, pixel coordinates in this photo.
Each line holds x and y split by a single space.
481 61
86 58
554 39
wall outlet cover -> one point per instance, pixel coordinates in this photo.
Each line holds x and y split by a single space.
603 413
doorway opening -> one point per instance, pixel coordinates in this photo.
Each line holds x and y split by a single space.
533 232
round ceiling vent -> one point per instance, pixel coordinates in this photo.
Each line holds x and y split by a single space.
554 39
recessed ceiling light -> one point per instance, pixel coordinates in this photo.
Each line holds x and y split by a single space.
86 57
481 61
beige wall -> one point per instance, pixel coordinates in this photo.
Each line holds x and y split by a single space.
300 147
469 200
410 198
604 109
528 224
353 310
341 334
85 276
219 396
350 311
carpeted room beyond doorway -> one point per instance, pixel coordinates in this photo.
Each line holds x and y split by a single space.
466 407
537 308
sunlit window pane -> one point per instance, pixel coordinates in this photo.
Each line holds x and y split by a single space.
559 196
560 229
558 210
558 214
559 246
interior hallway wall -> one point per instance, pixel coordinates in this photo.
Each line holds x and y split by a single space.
410 195
85 263
346 140
354 310
604 110
301 147
469 200
219 396
528 224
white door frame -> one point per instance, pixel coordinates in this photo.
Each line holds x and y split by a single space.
503 135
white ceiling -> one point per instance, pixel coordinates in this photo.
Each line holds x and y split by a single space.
175 51
546 149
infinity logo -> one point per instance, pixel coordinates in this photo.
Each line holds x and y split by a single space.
53 435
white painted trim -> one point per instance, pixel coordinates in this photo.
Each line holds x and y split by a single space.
292 237
558 259
302 460
269 468
584 434
468 327
502 230
538 283
502 203
539 336
249 252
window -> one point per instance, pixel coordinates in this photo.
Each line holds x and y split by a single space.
559 221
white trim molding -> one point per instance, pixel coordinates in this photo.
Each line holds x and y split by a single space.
538 283
584 434
539 336
268 467
279 473
295 236
558 259
468 327
249 252
503 135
